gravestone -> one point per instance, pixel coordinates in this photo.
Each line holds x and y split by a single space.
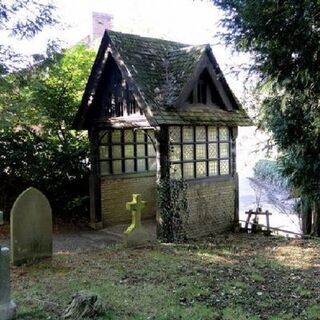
31 227
7 306
1 218
136 235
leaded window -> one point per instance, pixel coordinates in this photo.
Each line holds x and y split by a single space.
199 151
126 151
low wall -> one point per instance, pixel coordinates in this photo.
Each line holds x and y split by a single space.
211 207
116 191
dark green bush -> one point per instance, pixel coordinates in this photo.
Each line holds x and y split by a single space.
37 144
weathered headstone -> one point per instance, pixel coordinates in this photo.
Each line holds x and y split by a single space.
31 227
136 235
7 306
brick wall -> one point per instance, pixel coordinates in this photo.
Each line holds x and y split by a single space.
211 202
115 192
211 207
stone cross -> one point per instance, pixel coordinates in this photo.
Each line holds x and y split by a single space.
7 306
136 235
136 206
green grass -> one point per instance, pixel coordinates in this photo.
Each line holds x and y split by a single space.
235 277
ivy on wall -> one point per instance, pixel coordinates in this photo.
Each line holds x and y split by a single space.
173 208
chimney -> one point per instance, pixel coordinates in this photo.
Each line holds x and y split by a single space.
100 22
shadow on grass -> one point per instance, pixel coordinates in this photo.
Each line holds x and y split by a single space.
228 277
32 315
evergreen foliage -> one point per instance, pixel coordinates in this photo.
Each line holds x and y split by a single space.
38 147
270 171
22 19
283 38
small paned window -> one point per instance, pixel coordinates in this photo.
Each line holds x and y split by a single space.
175 134
198 152
126 151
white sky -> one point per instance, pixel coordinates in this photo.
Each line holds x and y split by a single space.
187 21
191 21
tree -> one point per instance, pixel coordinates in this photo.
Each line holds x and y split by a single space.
21 19
283 37
38 147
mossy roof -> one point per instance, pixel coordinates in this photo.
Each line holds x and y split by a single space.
160 70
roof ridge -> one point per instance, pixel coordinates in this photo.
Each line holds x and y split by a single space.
190 46
150 38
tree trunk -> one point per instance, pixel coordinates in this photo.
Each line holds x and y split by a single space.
306 216
316 218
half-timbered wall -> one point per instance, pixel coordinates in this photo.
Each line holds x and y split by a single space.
205 157
127 165
113 99
123 151
205 91
200 151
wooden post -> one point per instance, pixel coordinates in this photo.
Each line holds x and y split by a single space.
94 182
315 219
249 213
257 213
163 169
268 222
162 137
233 171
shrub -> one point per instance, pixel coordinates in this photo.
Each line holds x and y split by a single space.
270 171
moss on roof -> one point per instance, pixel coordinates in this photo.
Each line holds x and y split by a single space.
201 114
160 70
147 61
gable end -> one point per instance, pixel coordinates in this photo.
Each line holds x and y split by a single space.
206 86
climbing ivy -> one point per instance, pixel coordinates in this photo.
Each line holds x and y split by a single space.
174 209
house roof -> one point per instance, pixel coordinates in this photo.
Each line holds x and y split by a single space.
159 72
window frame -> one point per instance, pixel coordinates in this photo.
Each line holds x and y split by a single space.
122 143
207 159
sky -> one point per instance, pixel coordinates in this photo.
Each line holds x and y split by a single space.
187 21
191 21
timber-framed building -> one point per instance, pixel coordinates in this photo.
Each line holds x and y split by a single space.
155 109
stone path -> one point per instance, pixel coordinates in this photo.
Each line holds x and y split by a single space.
278 204
91 239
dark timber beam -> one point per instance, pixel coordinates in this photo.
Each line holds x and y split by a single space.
94 182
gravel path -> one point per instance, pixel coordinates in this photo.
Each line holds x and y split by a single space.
89 239
80 240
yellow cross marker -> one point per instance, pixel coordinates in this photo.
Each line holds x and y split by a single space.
135 206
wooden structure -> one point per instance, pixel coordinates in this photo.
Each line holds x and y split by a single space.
255 214
154 109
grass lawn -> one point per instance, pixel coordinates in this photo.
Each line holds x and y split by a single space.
228 277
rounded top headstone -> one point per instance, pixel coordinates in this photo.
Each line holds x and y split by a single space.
31 227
